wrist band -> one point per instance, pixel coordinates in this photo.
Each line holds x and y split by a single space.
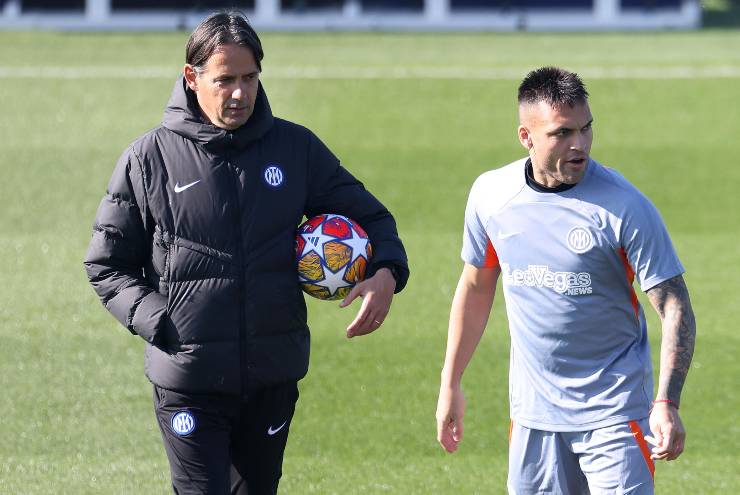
666 401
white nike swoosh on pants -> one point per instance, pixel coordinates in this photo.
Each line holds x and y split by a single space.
271 432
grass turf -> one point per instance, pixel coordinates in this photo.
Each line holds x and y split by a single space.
76 409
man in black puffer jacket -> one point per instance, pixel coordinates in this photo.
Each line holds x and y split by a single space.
193 250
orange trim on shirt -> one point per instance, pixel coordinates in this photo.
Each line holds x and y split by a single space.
640 438
491 259
511 428
630 278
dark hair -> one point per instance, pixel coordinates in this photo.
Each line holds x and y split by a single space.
222 28
554 86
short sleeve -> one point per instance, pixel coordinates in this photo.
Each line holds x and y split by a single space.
477 249
648 246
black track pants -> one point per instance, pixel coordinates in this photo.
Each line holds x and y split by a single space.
226 445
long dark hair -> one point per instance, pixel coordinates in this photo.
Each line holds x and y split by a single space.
220 29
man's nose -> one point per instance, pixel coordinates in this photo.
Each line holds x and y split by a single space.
580 142
238 93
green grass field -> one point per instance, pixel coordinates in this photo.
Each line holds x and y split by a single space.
422 118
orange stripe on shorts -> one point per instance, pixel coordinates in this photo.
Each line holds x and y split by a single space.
640 438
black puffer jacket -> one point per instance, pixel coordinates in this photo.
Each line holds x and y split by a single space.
193 245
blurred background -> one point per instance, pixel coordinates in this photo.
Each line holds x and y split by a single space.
372 14
417 98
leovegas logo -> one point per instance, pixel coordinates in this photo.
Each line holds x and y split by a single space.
567 283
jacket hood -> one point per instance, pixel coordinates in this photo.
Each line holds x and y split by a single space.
182 116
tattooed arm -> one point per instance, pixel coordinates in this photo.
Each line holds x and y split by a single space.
671 300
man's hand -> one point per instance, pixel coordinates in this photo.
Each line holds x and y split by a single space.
471 306
376 293
450 412
671 301
670 435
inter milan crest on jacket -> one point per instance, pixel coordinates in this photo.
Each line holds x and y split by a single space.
273 175
210 215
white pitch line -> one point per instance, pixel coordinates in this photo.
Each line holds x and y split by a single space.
93 72
318 72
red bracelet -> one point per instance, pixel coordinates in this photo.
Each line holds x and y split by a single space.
666 401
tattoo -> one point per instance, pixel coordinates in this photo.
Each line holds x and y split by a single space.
671 300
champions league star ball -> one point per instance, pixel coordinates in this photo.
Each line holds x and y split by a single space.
332 252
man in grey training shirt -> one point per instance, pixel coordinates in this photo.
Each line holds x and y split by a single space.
568 236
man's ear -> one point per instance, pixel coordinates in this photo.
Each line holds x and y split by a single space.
524 137
191 76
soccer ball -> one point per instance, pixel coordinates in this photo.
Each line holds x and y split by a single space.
332 253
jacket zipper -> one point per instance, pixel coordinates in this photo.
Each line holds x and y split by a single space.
241 266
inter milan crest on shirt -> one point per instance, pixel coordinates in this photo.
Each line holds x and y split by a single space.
183 423
579 240
273 175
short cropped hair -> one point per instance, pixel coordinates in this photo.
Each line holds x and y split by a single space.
554 86
222 28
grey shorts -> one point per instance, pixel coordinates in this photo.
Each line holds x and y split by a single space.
614 460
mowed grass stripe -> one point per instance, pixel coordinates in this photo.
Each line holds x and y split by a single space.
339 73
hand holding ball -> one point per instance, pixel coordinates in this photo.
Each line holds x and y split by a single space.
332 253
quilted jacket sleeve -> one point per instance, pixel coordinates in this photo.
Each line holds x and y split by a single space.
118 252
332 189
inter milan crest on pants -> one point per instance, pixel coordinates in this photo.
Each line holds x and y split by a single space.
273 175
183 423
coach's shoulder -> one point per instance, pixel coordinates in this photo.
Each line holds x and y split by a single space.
291 128
149 141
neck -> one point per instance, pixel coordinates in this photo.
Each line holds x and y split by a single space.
545 180
538 184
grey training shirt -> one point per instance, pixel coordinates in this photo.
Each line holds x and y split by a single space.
580 357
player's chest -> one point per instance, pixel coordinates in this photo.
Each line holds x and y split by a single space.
537 239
